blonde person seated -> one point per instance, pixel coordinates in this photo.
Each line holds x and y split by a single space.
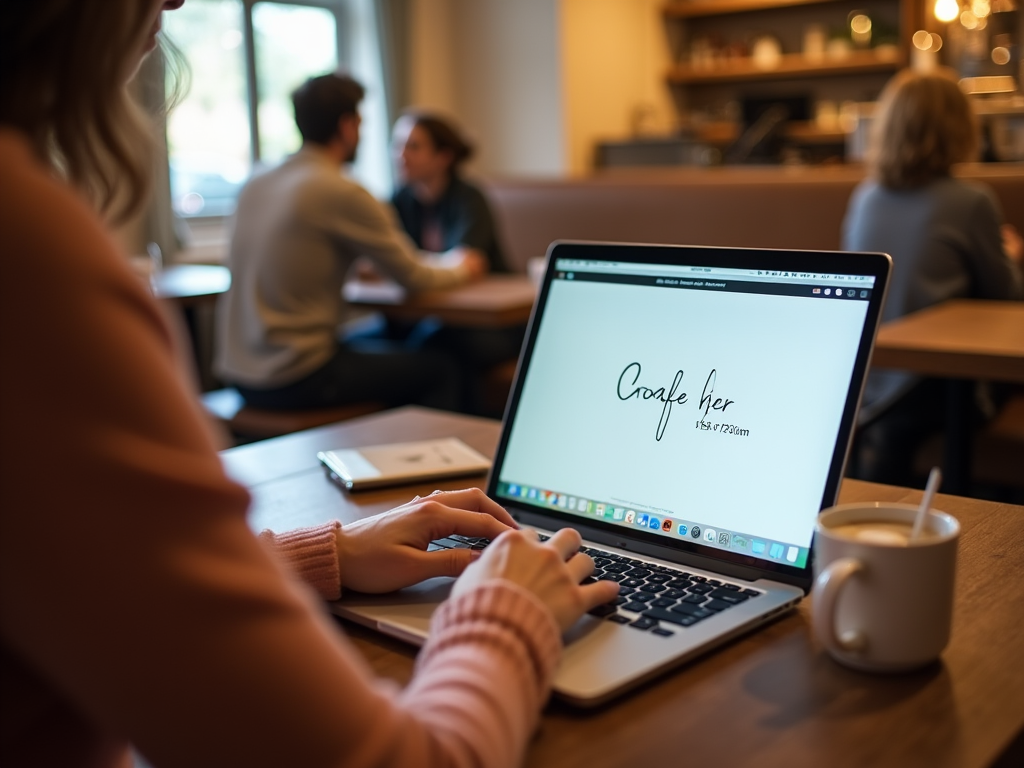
947 240
137 609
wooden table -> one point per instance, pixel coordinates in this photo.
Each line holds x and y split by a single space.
497 301
772 698
194 289
963 341
190 284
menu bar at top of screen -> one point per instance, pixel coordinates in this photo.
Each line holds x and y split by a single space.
746 275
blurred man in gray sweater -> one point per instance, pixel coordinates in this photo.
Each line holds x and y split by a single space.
297 231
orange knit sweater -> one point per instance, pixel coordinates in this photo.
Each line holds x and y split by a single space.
136 607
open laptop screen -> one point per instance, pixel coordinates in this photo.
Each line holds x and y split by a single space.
702 402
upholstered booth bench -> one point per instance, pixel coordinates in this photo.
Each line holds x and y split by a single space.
773 207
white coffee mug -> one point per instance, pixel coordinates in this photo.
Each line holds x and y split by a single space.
880 602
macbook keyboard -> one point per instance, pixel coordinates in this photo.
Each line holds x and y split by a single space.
651 597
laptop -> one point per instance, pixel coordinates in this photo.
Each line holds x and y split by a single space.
689 411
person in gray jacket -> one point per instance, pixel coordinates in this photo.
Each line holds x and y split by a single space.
946 238
298 229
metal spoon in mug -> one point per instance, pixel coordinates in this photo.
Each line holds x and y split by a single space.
934 478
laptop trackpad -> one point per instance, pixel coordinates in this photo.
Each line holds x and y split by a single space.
404 614
431 592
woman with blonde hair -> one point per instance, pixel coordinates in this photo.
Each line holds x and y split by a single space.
946 239
136 607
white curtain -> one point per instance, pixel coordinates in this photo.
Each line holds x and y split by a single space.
394 38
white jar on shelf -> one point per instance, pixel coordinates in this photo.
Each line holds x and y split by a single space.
766 52
815 38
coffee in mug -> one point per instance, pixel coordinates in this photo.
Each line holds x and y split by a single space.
883 601
881 532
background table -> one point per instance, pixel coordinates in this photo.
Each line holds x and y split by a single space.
772 698
193 289
497 301
966 339
963 341
190 284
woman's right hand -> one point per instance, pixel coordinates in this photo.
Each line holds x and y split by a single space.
551 570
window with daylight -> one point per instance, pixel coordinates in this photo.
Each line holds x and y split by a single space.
245 58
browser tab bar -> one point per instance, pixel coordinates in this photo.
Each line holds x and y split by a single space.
722 273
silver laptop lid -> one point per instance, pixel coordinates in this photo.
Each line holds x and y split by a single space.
695 403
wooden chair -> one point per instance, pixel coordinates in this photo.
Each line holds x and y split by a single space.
1003 444
998 453
243 421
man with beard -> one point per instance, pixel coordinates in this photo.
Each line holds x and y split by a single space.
298 229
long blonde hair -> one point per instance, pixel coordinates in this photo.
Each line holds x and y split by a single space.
64 67
923 127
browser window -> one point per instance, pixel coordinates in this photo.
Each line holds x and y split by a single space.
690 401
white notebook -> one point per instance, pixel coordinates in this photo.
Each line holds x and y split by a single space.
377 466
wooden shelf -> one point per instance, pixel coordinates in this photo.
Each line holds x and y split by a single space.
694 8
704 78
719 133
799 132
793 65
809 133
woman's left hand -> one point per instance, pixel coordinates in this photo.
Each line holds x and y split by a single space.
1013 245
389 551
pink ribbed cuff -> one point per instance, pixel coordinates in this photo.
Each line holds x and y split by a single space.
500 613
312 553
